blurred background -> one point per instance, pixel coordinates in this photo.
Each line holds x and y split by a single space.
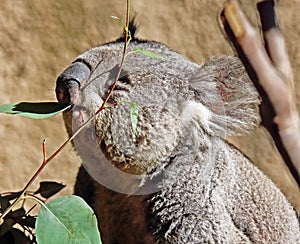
38 39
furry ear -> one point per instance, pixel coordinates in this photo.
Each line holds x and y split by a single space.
224 88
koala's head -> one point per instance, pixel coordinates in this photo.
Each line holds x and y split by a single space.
175 97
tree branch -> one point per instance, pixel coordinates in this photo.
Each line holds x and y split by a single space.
269 68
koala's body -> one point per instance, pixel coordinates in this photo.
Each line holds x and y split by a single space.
208 192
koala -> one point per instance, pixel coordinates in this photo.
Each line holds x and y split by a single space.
175 179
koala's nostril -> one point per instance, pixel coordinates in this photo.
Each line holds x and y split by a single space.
67 91
70 81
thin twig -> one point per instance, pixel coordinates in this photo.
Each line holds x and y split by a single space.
122 60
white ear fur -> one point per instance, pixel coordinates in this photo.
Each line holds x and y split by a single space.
197 111
222 86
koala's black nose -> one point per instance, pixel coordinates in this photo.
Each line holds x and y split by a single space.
70 81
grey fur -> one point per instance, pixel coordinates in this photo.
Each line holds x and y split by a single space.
211 192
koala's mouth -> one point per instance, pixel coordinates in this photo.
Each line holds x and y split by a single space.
76 116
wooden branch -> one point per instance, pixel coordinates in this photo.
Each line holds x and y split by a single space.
269 68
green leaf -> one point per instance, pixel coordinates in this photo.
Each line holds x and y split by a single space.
49 188
67 220
121 20
126 29
134 116
41 110
148 53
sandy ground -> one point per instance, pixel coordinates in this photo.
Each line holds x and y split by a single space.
40 38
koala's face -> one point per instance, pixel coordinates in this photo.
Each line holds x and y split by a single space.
175 98
159 91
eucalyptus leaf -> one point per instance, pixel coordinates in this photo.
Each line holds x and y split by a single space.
121 20
42 110
148 53
67 220
126 29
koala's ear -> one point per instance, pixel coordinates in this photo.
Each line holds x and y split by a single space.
224 88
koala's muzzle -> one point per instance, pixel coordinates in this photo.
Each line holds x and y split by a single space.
70 81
